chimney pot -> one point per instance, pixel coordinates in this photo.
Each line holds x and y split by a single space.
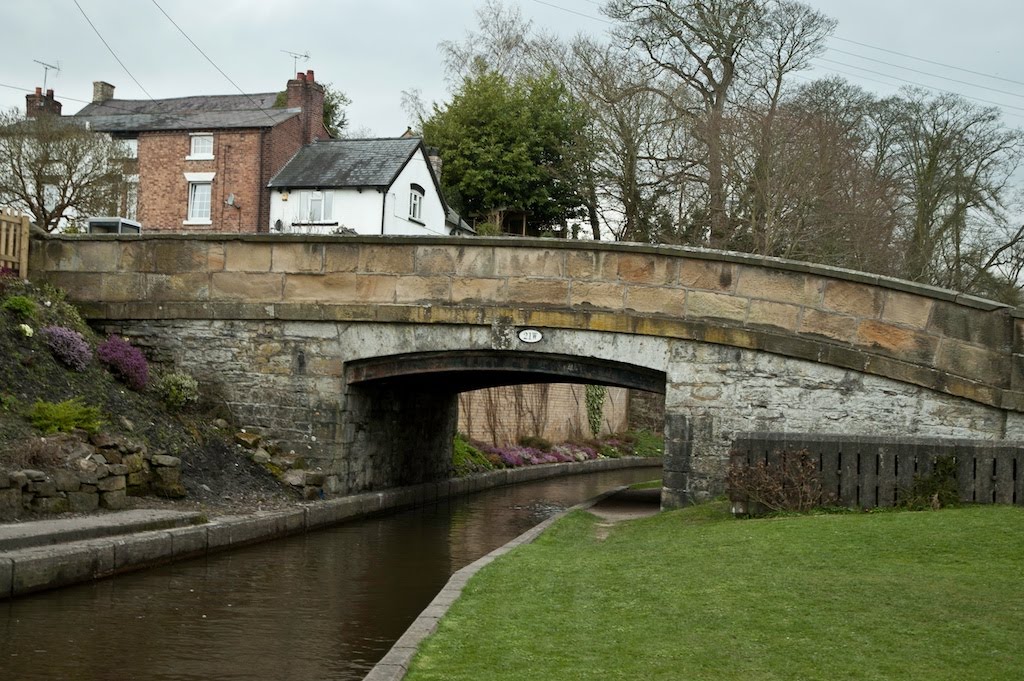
39 90
49 94
101 91
309 75
300 76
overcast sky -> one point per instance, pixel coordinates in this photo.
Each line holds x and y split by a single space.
374 49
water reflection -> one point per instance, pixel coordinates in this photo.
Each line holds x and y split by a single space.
325 605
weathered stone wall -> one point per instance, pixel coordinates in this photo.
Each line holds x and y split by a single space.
99 473
745 342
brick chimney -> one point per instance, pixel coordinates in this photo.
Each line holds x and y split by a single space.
37 104
101 91
306 94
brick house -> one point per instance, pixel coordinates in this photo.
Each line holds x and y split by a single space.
203 163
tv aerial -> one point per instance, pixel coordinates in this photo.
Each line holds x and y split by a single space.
46 70
296 56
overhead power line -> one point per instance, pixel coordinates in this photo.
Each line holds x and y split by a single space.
212 63
926 73
110 49
911 82
929 61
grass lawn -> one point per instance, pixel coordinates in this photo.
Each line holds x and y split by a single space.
694 594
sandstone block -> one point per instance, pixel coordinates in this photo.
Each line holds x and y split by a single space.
835 326
710 276
907 309
115 500
597 294
10 501
66 481
715 306
167 476
111 483
297 257
386 259
656 300
781 315
45 488
538 291
134 462
847 297
167 461
903 343
513 262
781 287
414 289
50 504
83 502
473 290
240 256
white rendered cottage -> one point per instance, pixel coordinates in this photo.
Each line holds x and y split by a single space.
363 186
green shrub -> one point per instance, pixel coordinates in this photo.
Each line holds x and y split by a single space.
64 417
536 442
468 459
646 443
9 403
934 490
177 389
22 306
488 229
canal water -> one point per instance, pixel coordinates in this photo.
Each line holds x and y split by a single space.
324 605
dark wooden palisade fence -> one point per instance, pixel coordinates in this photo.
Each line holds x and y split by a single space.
868 471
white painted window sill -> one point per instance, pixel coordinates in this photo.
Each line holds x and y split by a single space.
197 222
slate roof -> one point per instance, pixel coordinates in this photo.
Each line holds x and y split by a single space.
347 163
185 113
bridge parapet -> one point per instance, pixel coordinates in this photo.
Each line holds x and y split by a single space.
933 338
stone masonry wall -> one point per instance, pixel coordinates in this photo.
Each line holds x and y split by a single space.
746 343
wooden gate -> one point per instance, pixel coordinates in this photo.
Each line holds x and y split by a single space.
14 241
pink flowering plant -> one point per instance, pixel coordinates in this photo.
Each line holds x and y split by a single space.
68 346
124 360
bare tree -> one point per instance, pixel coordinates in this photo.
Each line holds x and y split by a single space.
957 160
701 44
58 171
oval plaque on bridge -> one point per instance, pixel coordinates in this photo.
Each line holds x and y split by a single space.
530 335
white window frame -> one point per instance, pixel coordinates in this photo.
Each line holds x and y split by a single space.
199 182
200 146
416 195
314 207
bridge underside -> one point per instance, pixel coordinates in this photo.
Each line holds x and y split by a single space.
447 372
404 408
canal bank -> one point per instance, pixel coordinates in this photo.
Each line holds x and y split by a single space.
64 552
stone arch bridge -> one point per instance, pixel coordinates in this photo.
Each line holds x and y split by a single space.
352 350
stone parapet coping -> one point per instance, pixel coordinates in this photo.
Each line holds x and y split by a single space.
41 567
574 245
395 663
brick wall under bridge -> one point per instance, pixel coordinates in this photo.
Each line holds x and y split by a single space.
353 349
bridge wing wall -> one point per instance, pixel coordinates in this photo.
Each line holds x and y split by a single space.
937 339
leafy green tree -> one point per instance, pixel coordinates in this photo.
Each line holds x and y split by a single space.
336 104
508 145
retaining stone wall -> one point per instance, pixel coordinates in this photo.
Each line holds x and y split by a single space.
96 477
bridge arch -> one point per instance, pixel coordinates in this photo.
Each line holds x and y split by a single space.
743 343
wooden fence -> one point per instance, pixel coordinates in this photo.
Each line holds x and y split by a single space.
866 471
14 241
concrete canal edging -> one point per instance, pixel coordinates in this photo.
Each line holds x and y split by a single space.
54 558
395 663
